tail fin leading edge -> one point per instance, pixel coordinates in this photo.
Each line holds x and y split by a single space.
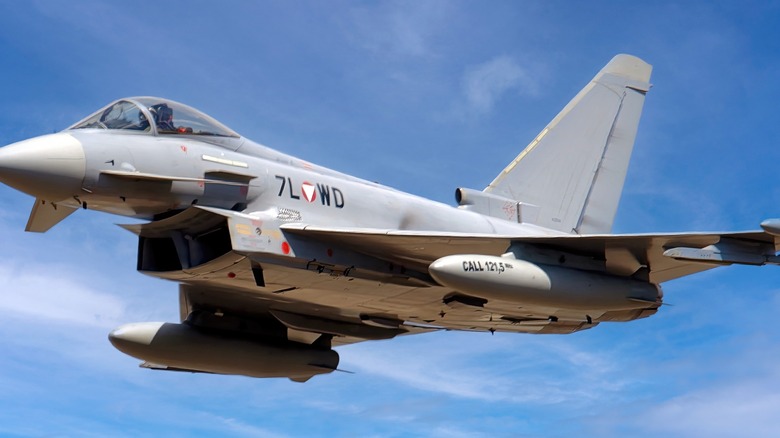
575 168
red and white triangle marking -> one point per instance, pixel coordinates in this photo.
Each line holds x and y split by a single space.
308 191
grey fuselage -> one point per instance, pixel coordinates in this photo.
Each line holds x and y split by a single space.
339 200
279 259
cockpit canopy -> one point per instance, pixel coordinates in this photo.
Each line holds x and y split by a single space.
155 115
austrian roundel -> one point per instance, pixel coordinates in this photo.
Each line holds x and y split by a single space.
309 191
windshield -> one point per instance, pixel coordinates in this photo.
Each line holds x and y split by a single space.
167 116
121 115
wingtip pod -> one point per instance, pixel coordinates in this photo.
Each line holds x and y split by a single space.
771 226
629 66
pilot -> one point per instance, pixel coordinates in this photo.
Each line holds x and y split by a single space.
163 115
143 123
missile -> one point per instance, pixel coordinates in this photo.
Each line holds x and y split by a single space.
183 347
530 284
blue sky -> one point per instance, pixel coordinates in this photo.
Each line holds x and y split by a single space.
424 96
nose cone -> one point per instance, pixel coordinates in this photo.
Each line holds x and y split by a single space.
48 167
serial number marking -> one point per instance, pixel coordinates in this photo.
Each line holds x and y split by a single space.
311 192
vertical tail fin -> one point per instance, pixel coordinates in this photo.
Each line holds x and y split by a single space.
575 168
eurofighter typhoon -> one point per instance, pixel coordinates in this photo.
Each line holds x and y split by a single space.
280 260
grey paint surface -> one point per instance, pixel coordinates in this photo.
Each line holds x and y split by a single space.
278 257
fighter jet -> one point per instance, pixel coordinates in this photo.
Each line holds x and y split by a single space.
280 260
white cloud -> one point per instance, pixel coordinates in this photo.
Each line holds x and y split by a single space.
452 432
508 368
399 29
739 408
49 294
730 391
487 83
237 427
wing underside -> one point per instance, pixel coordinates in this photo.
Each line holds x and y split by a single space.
306 305
343 285
618 252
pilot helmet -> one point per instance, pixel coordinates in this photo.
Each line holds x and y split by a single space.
161 112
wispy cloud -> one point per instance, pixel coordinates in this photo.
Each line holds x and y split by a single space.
399 29
453 432
487 83
729 389
236 427
50 294
739 408
458 372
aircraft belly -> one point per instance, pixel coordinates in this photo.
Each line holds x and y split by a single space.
250 264
310 292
